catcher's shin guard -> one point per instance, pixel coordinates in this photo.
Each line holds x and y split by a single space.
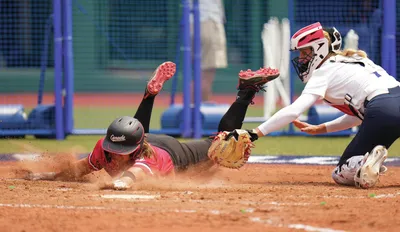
368 174
163 73
256 79
344 174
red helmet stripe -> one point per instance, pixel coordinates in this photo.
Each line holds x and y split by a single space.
307 28
311 37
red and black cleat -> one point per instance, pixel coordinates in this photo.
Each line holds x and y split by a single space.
163 73
256 79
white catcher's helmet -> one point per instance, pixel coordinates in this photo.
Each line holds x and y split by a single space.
311 36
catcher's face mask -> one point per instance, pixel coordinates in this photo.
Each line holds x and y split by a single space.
310 37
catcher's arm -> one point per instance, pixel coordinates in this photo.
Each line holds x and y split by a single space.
310 129
287 114
71 172
342 123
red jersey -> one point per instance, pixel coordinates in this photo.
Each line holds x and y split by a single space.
160 164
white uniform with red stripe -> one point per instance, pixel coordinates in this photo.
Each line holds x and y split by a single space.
355 77
358 78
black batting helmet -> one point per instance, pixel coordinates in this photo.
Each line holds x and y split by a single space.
125 136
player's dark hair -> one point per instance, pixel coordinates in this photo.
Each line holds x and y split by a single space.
147 150
108 156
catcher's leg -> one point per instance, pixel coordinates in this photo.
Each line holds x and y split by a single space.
380 129
368 174
364 155
163 73
362 171
250 82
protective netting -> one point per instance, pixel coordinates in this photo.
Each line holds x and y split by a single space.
364 17
25 29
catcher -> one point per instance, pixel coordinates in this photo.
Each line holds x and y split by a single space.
129 153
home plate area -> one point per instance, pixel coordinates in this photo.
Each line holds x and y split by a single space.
271 193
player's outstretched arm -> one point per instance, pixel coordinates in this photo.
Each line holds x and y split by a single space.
287 114
75 170
71 172
310 129
342 123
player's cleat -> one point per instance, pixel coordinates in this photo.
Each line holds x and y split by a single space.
368 174
163 73
256 79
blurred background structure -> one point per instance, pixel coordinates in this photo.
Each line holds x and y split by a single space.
103 51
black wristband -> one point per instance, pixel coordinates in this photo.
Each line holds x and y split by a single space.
253 135
130 175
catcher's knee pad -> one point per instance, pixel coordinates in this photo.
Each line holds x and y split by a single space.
344 174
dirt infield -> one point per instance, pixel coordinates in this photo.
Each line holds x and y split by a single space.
254 198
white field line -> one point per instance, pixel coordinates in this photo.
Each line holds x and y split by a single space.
102 208
73 207
271 222
137 197
312 228
390 195
366 195
129 196
258 203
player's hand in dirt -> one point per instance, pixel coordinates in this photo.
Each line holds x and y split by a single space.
310 129
122 183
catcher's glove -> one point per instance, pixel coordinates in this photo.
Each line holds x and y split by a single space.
231 149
